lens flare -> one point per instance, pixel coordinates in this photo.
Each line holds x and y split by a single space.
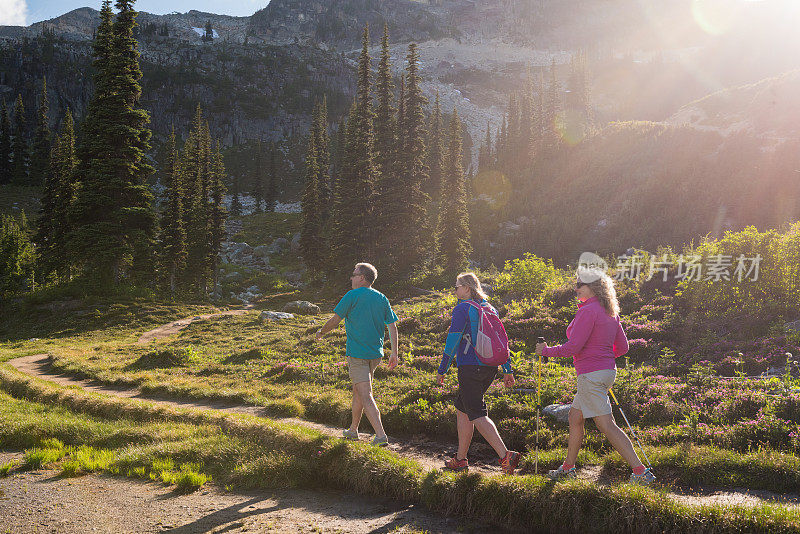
716 17
572 126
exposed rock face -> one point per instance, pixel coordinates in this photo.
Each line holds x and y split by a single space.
559 412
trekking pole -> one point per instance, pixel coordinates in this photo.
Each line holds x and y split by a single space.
538 406
611 392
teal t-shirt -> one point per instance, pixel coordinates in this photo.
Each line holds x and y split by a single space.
366 312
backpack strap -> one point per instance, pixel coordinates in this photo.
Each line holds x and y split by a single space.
464 335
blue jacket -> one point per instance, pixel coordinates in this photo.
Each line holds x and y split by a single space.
465 318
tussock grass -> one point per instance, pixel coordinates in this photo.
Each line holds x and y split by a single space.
6 468
276 454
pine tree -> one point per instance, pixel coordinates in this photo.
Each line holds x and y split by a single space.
218 213
112 214
173 232
436 161
19 159
579 114
311 223
40 153
271 194
418 237
258 177
385 125
57 195
194 167
5 145
322 146
454 222
353 237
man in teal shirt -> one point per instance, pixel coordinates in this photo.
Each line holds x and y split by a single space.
366 312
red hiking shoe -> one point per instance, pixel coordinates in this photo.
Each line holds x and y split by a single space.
454 464
510 462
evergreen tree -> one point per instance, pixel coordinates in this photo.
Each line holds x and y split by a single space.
323 156
418 238
19 159
401 118
218 213
354 235
197 164
311 223
17 255
436 161
173 233
258 177
57 196
454 221
113 218
40 153
385 125
5 145
579 114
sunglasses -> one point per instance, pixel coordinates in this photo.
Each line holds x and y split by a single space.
579 285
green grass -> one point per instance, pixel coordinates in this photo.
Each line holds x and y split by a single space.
6 467
181 446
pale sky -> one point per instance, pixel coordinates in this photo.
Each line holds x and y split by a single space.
26 12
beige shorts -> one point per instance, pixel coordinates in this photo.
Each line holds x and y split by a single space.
361 370
592 396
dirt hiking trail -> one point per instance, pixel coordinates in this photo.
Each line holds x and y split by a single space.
427 453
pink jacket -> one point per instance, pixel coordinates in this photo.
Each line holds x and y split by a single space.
595 339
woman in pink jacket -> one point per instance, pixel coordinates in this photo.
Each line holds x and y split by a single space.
595 340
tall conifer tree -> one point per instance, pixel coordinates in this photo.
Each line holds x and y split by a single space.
57 195
353 238
5 145
218 212
322 146
113 216
454 231
40 152
173 232
20 154
385 124
311 223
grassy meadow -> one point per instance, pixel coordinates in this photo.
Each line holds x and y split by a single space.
691 385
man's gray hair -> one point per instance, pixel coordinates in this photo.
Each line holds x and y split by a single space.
369 271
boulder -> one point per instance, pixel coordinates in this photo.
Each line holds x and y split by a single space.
294 276
274 316
261 251
295 244
302 307
279 245
559 412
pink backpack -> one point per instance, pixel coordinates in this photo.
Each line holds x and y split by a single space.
491 347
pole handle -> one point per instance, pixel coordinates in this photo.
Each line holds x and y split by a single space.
542 357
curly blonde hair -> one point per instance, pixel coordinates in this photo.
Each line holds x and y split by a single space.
471 281
603 287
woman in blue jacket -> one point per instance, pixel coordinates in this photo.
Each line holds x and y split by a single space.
474 378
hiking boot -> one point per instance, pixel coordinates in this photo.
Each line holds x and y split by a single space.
510 462
381 442
454 464
644 479
348 434
559 473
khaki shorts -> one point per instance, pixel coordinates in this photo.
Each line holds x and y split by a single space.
361 370
592 396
